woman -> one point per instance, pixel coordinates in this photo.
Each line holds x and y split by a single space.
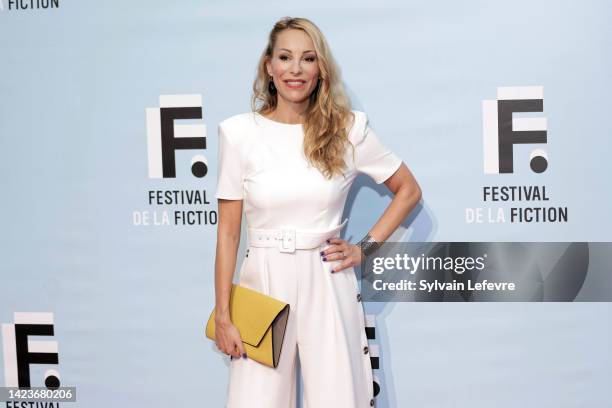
291 162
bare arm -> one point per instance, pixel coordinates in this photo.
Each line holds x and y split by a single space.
228 240
407 194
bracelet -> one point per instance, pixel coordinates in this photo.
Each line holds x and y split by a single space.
368 245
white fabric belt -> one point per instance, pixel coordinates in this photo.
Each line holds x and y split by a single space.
289 239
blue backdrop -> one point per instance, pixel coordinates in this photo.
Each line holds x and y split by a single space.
84 247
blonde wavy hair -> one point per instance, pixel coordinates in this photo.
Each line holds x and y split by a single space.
328 117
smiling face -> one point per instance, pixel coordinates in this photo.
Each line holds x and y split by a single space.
294 66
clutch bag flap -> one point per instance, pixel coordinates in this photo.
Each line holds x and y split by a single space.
252 313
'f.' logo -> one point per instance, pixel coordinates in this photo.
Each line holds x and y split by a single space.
20 352
501 131
164 137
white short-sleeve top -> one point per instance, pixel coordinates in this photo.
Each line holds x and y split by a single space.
262 162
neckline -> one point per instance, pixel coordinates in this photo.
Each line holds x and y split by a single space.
278 123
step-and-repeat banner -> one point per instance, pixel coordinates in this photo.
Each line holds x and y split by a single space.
494 292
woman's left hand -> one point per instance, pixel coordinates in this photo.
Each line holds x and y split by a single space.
341 250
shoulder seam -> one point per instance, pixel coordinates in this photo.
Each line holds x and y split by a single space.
359 127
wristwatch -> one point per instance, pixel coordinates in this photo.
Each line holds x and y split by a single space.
368 245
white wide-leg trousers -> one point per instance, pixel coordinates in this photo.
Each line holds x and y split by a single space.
326 326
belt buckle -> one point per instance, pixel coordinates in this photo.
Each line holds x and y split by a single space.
287 241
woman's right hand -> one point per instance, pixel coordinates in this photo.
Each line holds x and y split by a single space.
227 338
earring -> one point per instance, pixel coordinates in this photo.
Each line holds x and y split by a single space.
271 87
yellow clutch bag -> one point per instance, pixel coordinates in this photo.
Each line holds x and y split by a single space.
261 321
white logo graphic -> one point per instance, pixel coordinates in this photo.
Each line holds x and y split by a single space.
164 137
20 352
501 131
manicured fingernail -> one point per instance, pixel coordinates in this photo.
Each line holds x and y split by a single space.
332 271
325 258
244 355
327 241
231 357
321 253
